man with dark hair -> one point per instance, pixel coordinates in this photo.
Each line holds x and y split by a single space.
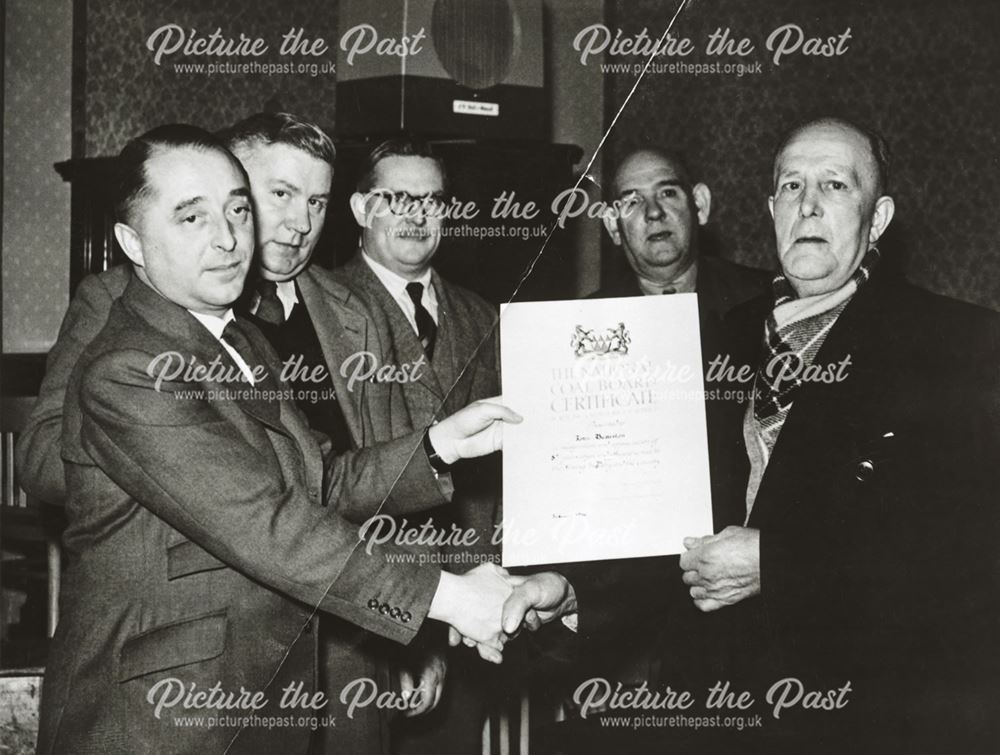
203 527
855 593
659 214
451 332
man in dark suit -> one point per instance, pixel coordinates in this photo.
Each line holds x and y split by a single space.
204 531
451 332
660 213
855 592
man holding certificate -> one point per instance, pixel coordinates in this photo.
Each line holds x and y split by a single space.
854 595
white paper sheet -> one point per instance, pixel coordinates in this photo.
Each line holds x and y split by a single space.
611 460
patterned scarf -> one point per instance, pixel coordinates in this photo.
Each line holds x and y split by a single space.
793 334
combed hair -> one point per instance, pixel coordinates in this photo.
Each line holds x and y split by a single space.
280 128
132 181
403 146
877 144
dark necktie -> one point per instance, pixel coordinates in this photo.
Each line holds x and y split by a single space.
670 290
234 335
269 306
426 328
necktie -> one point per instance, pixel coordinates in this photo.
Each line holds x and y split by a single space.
426 328
233 335
269 306
670 290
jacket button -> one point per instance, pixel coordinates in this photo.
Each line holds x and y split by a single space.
395 612
406 617
864 471
384 609
373 604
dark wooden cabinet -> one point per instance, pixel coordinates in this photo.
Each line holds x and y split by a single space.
488 255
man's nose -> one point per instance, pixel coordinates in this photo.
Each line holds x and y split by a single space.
297 218
418 217
653 209
225 239
811 203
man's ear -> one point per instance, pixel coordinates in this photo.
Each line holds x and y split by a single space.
885 208
359 209
770 206
611 220
702 202
130 243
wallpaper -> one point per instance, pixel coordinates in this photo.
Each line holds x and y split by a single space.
922 73
138 74
36 118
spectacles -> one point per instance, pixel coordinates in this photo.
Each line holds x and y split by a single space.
405 204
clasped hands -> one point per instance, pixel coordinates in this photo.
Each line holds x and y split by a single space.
487 606
722 569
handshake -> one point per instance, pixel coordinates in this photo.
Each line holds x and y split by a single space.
487 606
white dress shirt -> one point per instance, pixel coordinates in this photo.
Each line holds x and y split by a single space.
215 326
396 285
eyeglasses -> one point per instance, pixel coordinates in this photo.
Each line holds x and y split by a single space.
405 204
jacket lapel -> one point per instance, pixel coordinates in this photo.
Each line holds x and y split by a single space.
342 333
175 322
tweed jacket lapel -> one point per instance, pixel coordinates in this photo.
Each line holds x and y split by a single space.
342 333
405 342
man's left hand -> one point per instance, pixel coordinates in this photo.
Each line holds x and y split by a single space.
426 681
722 569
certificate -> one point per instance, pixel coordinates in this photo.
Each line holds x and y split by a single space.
611 460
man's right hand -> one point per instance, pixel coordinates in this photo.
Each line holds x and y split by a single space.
537 599
472 604
473 431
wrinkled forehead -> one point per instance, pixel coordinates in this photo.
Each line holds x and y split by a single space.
645 170
828 146
410 173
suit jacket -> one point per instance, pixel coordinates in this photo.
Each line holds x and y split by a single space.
720 285
878 553
180 572
344 328
465 368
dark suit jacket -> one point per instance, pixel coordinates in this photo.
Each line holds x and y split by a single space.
878 551
344 328
465 368
721 285
199 545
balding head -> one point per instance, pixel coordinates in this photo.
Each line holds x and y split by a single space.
828 207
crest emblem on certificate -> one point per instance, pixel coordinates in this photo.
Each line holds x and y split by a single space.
590 342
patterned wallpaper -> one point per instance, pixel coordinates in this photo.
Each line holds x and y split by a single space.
924 73
126 92
36 120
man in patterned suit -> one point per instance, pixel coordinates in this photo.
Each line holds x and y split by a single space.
451 332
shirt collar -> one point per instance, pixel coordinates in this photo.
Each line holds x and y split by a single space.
684 283
288 295
215 323
393 281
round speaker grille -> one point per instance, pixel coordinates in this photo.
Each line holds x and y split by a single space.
475 40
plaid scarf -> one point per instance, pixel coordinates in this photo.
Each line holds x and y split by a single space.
793 334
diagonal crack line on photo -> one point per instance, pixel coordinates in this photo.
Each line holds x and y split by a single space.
585 174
